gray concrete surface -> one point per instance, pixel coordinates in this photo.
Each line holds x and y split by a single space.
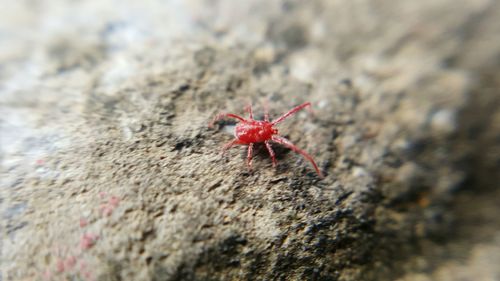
110 172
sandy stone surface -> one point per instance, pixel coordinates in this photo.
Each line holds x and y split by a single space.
109 171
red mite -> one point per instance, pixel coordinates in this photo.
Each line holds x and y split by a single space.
250 131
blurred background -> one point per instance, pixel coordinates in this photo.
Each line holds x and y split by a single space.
109 172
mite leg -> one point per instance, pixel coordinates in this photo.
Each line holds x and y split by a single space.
248 109
271 153
223 115
292 111
265 104
249 156
290 145
229 145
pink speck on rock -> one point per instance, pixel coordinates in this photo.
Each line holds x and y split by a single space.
70 262
102 194
47 275
87 275
83 222
88 240
60 265
83 265
114 201
106 210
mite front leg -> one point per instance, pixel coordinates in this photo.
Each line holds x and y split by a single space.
223 115
229 145
271 153
249 109
265 105
291 112
249 156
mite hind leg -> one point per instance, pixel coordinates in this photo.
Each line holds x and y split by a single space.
290 145
271 153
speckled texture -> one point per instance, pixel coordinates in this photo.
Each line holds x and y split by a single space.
110 172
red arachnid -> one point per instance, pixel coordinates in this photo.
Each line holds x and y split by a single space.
250 131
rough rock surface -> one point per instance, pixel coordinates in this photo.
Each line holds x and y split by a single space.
109 171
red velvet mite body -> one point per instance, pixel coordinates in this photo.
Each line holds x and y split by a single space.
254 131
250 131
